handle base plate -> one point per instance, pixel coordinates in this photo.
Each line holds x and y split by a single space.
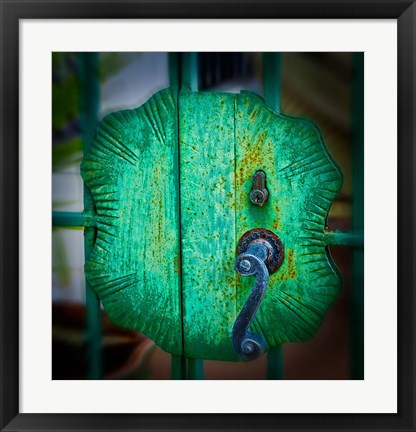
271 240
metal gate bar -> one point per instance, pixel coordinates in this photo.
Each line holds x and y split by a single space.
189 80
178 367
271 91
178 363
88 68
356 348
68 219
183 72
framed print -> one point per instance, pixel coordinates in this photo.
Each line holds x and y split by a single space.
207 215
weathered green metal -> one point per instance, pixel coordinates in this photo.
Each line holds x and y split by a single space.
302 181
224 139
80 220
195 367
88 69
272 73
178 362
207 155
132 173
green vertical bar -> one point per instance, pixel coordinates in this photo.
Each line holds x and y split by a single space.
271 80
173 64
72 219
67 219
271 92
190 71
178 367
88 68
178 363
275 364
357 290
195 369
189 81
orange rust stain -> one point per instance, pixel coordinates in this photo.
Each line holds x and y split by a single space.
255 155
262 138
276 222
230 279
290 264
177 264
288 269
281 275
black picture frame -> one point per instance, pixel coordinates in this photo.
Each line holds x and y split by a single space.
14 10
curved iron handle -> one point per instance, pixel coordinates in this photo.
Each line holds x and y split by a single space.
246 344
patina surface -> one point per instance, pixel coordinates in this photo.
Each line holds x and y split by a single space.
207 163
150 210
132 173
302 180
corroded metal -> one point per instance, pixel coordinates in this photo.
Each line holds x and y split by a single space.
246 344
134 266
171 277
259 193
260 254
275 250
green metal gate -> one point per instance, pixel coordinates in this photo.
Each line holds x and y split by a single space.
183 73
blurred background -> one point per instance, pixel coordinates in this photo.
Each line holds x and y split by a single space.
318 86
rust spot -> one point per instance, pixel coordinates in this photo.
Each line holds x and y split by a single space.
262 138
288 268
230 279
275 258
177 264
254 155
290 264
276 222
253 115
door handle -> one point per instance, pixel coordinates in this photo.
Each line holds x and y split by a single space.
260 254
